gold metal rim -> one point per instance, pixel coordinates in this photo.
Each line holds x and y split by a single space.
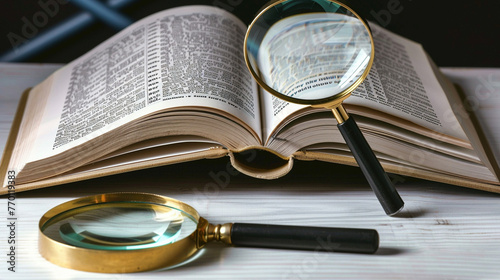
108 261
330 102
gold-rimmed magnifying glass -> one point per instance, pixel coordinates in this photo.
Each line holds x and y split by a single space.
316 52
132 232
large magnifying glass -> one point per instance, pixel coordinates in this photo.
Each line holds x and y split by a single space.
316 52
132 232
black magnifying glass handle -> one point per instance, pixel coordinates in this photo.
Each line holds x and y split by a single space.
350 240
370 166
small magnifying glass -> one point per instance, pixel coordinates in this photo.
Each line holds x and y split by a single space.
132 232
316 52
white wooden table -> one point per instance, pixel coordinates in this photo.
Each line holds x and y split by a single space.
445 232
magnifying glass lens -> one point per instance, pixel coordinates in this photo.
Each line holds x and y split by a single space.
316 52
119 226
132 232
310 53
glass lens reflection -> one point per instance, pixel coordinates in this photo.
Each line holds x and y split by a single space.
310 56
120 226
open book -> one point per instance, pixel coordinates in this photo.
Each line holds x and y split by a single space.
174 87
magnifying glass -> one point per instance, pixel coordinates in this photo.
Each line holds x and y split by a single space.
132 232
316 52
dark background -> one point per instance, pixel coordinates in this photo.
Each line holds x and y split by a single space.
454 33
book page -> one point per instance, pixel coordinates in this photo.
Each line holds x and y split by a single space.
476 104
482 89
401 82
188 56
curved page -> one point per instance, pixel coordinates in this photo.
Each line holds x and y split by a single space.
188 56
